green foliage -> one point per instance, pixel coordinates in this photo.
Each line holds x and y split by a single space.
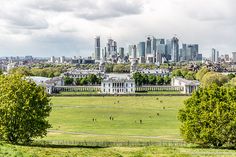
138 78
44 72
167 80
121 68
160 80
21 71
23 109
208 117
177 73
213 78
201 73
144 79
190 75
68 81
152 79
231 76
109 68
1 72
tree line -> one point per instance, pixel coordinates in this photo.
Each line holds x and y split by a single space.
43 72
91 79
151 79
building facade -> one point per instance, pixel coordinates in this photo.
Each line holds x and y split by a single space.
189 86
118 86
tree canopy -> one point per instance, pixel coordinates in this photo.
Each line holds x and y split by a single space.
24 107
201 73
214 78
208 117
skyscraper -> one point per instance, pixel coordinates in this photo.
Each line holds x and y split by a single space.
234 56
214 55
160 46
122 52
141 49
148 46
97 48
175 49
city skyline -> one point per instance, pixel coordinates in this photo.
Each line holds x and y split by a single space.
67 28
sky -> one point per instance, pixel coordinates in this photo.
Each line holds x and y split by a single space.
68 27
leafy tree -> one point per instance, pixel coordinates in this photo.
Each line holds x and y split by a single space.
138 78
92 78
160 80
201 73
1 72
213 78
208 117
21 71
167 80
109 68
232 82
68 81
24 107
230 76
152 79
177 73
190 76
84 81
145 79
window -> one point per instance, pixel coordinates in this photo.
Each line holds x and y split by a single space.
109 85
131 84
104 90
103 84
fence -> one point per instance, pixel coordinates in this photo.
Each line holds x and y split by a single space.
111 144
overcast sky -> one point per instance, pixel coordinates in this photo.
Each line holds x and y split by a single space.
68 27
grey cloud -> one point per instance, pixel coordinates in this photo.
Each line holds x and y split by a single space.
111 9
90 9
23 19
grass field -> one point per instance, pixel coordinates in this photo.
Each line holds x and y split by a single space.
134 118
72 119
7 150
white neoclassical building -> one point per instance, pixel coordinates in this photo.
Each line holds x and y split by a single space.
118 85
189 86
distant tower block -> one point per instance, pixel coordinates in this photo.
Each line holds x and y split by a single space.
97 48
133 59
102 64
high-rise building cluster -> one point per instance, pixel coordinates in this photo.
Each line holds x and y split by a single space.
153 50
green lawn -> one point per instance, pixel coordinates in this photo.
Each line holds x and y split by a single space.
151 151
72 118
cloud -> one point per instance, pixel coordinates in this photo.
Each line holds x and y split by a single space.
90 9
19 17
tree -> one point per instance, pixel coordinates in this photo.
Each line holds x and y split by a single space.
24 107
21 71
160 80
92 78
177 73
152 79
138 78
231 76
208 117
190 76
1 72
213 78
167 80
201 73
68 81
